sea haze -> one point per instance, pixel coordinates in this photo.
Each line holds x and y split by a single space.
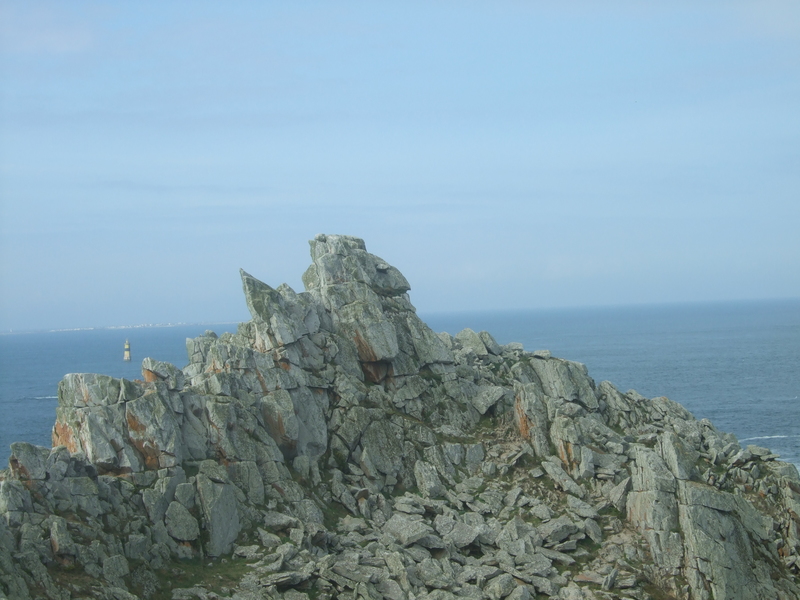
733 363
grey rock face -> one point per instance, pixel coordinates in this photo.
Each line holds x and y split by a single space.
487 397
28 461
218 502
428 480
181 525
153 370
61 540
115 568
343 449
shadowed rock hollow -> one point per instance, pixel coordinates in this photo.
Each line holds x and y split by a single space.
336 447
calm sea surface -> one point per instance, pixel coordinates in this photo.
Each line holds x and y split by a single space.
737 364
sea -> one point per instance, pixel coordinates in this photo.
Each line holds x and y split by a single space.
736 364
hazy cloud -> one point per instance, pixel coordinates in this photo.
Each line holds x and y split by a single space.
43 28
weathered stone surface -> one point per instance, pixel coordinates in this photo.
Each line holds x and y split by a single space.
154 430
487 397
530 413
278 412
428 480
653 509
566 380
311 406
500 587
562 480
274 319
28 461
278 521
382 451
218 502
720 556
470 340
490 343
180 523
557 529
581 508
79 390
154 370
462 534
97 432
345 450
618 495
678 455
406 531
60 538
650 473
115 568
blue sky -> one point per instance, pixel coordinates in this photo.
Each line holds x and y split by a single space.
503 155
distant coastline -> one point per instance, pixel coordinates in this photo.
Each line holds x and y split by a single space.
115 327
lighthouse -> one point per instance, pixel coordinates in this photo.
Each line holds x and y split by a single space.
127 355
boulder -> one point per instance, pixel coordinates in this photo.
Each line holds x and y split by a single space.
405 530
28 461
221 518
154 370
487 397
180 523
428 480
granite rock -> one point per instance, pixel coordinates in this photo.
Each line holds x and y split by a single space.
340 448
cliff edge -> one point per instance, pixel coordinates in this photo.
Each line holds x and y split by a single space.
336 447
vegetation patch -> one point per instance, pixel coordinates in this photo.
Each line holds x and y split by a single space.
212 574
332 512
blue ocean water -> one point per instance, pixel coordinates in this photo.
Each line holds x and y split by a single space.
734 363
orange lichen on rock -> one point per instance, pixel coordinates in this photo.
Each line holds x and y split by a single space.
523 422
146 447
63 436
134 424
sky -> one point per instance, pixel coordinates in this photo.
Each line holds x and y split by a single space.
503 155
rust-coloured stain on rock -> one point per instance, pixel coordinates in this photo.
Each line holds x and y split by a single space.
261 381
147 448
62 436
365 351
523 422
377 371
134 424
17 469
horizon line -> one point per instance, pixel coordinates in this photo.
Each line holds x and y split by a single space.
427 312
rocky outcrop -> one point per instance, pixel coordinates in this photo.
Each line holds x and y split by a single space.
336 447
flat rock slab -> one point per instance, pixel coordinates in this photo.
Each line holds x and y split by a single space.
406 531
560 477
462 534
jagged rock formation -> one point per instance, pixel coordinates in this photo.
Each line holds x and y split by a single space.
337 448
